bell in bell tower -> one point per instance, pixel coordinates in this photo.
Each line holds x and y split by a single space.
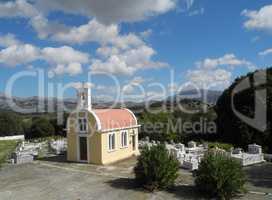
84 97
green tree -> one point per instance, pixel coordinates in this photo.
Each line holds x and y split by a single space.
155 126
230 127
10 124
41 127
220 176
156 168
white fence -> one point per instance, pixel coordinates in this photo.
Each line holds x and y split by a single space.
14 137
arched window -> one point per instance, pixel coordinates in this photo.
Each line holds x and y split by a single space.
124 139
82 125
111 141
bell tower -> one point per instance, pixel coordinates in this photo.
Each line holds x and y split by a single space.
84 97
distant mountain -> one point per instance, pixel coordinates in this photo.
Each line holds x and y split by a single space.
206 96
50 104
55 105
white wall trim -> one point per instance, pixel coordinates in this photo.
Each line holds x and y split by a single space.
98 122
132 115
117 129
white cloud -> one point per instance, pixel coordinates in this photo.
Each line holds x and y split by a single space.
127 62
78 85
155 95
64 60
130 87
61 59
19 54
172 87
227 60
24 9
197 12
259 19
94 31
265 52
106 51
137 80
8 40
91 32
101 87
46 28
185 5
216 72
206 78
18 8
111 90
72 69
64 55
118 54
126 41
111 11
113 65
145 34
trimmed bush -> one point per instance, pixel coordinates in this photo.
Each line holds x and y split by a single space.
156 168
220 176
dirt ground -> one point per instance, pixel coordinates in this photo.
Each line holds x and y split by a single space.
53 179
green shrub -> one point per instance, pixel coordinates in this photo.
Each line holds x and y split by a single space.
156 169
224 146
220 176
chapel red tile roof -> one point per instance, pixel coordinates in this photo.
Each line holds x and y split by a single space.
115 118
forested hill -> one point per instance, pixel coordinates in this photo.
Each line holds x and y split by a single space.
234 129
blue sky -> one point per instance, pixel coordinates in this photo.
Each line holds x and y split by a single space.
204 43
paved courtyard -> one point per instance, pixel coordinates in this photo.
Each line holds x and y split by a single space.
54 180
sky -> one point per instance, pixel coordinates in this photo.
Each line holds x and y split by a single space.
151 48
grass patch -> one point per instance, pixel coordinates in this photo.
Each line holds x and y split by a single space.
6 148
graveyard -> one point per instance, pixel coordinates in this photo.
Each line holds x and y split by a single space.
33 165
190 156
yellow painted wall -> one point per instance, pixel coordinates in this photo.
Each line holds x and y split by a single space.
71 147
95 149
119 153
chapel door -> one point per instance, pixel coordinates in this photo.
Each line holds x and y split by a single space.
83 153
